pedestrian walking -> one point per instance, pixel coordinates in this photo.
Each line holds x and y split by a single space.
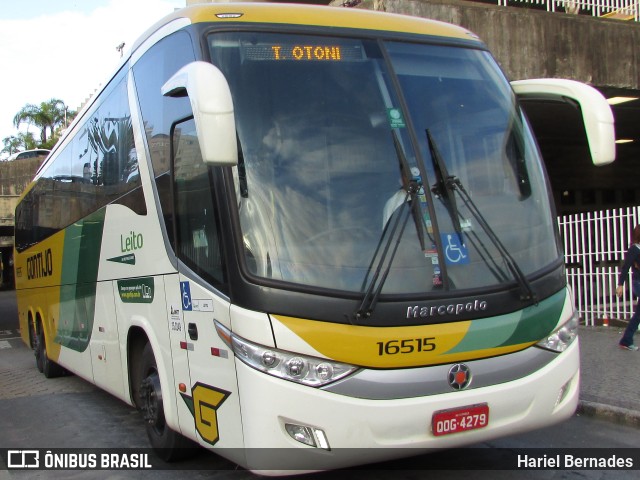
631 261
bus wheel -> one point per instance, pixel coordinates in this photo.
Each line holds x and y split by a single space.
50 368
168 444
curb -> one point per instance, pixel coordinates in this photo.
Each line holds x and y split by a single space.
622 416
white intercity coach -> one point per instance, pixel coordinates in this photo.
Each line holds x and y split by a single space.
306 238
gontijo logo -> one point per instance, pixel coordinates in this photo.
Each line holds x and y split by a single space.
40 265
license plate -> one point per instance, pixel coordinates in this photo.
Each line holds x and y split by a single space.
460 419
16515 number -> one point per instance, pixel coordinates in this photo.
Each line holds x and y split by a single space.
408 345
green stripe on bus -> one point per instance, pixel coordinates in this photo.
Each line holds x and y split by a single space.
539 320
81 259
527 326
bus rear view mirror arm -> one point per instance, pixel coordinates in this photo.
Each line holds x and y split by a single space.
596 112
212 106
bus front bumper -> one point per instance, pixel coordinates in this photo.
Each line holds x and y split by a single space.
352 431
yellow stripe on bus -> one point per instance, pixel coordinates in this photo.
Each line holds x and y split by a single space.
391 347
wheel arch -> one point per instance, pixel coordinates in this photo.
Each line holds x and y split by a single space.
137 338
140 334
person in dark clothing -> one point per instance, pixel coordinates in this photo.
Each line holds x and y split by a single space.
631 261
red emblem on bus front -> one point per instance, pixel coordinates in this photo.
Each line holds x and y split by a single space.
459 376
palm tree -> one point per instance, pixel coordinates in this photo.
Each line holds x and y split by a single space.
46 116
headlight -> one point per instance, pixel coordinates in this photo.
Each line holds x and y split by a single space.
564 336
311 371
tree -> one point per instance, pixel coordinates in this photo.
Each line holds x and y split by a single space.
16 143
11 145
47 117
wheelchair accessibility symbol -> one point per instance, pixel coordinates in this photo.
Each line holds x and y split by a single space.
186 296
455 251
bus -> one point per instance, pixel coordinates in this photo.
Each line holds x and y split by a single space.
307 237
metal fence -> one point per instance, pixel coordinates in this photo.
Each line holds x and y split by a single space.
595 244
619 9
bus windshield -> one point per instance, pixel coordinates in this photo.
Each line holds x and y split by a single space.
337 181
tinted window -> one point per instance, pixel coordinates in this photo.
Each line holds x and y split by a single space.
99 166
158 112
197 231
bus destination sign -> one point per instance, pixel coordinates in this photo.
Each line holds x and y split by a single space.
303 53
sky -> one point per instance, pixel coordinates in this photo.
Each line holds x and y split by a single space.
65 49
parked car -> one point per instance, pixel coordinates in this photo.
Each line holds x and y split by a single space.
29 154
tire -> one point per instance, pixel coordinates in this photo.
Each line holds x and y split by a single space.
50 369
167 443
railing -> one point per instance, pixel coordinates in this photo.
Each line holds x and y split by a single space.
618 9
595 244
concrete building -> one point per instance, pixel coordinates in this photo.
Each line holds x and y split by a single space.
14 178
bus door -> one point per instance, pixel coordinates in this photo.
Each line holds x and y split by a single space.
179 357
211 395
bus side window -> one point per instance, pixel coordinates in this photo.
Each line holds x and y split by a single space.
153 69
196 215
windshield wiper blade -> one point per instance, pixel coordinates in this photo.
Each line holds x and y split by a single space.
412 188
370 298
527 291
446 187
443 187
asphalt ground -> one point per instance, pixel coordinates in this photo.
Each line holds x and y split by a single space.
610 376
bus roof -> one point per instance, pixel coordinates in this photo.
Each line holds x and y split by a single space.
311 15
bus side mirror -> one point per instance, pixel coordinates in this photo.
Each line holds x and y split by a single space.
596 112
212 106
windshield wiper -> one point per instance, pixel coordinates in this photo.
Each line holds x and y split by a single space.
412 187
370 298
445 187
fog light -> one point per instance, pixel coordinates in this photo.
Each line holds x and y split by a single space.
314 437
301 434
